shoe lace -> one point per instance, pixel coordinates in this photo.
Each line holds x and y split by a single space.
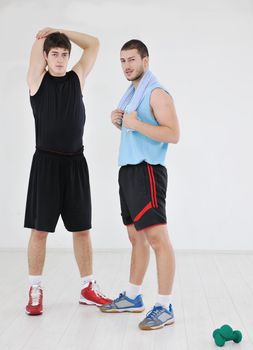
35 295
95 287
154 312
120 297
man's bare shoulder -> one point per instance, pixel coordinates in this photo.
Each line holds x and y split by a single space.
160 95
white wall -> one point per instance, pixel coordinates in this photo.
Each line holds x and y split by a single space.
202 52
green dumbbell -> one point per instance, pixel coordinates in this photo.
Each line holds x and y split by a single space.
218 339
226 333
237 336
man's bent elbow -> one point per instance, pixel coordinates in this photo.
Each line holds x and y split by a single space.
172 138
175 139
96 42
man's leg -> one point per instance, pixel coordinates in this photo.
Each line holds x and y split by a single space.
162 312
131 299
37 252
158 238
140 255
83 252
90 293
36 260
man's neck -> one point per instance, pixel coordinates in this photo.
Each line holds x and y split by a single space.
56 75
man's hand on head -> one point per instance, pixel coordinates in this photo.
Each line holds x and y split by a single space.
43 33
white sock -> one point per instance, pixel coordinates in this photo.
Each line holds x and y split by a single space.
133 290
164 300
35 280
86 279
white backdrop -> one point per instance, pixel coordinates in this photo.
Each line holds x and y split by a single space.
202 52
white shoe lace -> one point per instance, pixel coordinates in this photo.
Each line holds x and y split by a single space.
35 295
95 287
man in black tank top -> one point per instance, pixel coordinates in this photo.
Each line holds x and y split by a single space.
59 178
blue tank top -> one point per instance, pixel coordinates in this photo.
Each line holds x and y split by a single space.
136 147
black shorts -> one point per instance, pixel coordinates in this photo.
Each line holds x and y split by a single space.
58 185
142 190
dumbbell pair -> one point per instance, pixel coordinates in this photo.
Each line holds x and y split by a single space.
226 333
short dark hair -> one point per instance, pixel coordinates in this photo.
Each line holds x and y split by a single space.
57 39
138 45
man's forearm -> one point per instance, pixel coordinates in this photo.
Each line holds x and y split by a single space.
83 40
157 132
37 51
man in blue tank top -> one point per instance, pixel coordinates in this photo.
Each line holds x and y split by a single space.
145 135
59 178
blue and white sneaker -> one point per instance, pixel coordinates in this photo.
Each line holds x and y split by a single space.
124 304
158 317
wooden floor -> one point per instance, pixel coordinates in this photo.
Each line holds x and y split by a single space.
211 289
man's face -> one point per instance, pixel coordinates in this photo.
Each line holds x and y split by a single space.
132 64
57 60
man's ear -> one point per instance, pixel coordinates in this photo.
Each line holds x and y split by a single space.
146 61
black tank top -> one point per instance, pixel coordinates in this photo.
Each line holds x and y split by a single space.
59 114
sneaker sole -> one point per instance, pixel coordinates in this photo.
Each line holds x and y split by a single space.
132 310
148 328
32 314
84 301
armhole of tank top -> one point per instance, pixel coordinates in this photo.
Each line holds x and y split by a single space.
39 89
151 90
79 83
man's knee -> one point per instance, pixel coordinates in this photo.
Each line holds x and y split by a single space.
137 238
39 235
157 238
81 234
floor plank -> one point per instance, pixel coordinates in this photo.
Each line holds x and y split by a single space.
209 290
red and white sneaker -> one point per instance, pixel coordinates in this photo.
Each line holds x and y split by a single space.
35 304
91 295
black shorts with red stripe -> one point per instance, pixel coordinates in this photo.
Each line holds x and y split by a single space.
142 190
